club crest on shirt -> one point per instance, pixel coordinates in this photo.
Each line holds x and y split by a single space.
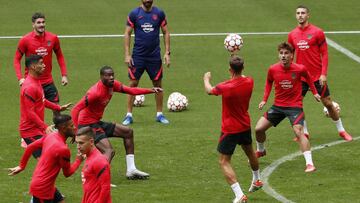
309 36
293 76
154 17
48 43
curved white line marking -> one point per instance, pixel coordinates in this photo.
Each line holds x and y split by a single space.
271 168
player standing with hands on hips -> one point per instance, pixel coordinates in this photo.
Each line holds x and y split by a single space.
311 50
146 21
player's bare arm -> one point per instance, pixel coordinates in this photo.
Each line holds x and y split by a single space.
127 38
65 107
261 105
15 170
166 34
64 80
207 84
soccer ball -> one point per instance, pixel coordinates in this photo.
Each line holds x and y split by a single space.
139 100
177 102
337 107
233 42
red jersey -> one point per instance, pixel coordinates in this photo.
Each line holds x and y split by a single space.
288 85
32 105
310 49
55 156
41 45
95 177
90 108
236 94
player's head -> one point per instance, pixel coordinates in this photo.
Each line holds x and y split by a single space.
302 14
35 64
236 65
65 125
85 139
286 53
107 76
147 4
38 22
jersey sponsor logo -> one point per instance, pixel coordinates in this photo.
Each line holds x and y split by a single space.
303 45
154 17
286 84
147 27
41 51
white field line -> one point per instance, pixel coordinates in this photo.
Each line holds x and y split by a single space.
343 50
187 34
272 167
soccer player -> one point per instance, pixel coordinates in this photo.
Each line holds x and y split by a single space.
55 156
42 43
95 174
32 103
90 109
235 127
286 77
146 20
311 50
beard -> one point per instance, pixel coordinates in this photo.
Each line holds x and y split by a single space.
148 4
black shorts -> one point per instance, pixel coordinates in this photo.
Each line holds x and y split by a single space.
58 197
276 114
228 142
102 130
323 91
51 93
37 153
152 66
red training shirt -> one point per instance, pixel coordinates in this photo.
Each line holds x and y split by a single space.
236 94
95 177
288 85
44 46
32 105
55 156
90 108
310 49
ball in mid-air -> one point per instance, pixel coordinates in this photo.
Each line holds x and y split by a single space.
233 42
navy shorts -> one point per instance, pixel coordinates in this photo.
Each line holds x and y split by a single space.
228 142
37 153
323 91
276 114
58 197
152 66
51 93
102 130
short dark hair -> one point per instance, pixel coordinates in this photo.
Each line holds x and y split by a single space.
36 16
32 59
287 46
305 7
236 63
87 130
61 119
104 68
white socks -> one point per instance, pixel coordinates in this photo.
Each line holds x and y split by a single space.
256 175
130 162
237 190
129 114
260 146
308 158
339 125
158 114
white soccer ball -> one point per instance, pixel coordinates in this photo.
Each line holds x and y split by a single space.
139 100
337 107
177 102
233 42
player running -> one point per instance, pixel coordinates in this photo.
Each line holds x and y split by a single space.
90 109
235 127
311 50
55 156
286 77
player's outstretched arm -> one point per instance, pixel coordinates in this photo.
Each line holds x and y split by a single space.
207 84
